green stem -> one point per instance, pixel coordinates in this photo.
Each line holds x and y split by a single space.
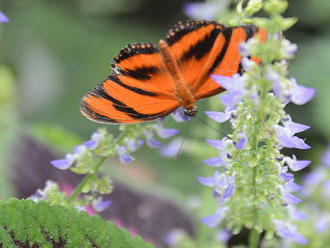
86 179
254 239
97 166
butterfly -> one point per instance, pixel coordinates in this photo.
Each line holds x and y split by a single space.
150 82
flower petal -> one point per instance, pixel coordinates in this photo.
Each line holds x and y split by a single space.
292 142
326 157
229 191
212 220
179 116
301 94
172 149
241 143
91 144
100 205
218 116
152 143
289 232
125 158
296 127
62 164
207 181
165 133
215 162
299 165
291 199
216 143
3 18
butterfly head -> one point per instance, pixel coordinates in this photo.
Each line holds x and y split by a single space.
190 110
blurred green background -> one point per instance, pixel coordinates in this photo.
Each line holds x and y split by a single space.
53 52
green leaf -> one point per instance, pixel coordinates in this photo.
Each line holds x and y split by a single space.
41 225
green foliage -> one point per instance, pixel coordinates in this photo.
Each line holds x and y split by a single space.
29 224
56 136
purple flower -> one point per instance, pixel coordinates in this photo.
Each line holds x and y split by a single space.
99 205
179 116
201 11
151 142
140 142
222 146
292 187
301 94
228 191
289 49
165 133
294 127
223 236
69 159
216 180
234 86
3 18
296 214
286 139
241 143
326 189
287 231
245 47
172 149
322 222
214 219
312 179
297 165
247 63
215 162
131 145
290 199
124 157
326 157
94 141
173 237
63 164
224 185
218 116
287 177
275 78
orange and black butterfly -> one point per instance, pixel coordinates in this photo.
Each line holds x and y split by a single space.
149 82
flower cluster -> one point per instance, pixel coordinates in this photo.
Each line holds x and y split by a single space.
253 185
55 194
101 144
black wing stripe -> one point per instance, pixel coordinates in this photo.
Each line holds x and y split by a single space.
95 116
135 49
143 73
227 34
122 107
182 28
250 30
202 47
116 80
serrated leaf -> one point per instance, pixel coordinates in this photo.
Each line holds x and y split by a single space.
41 225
